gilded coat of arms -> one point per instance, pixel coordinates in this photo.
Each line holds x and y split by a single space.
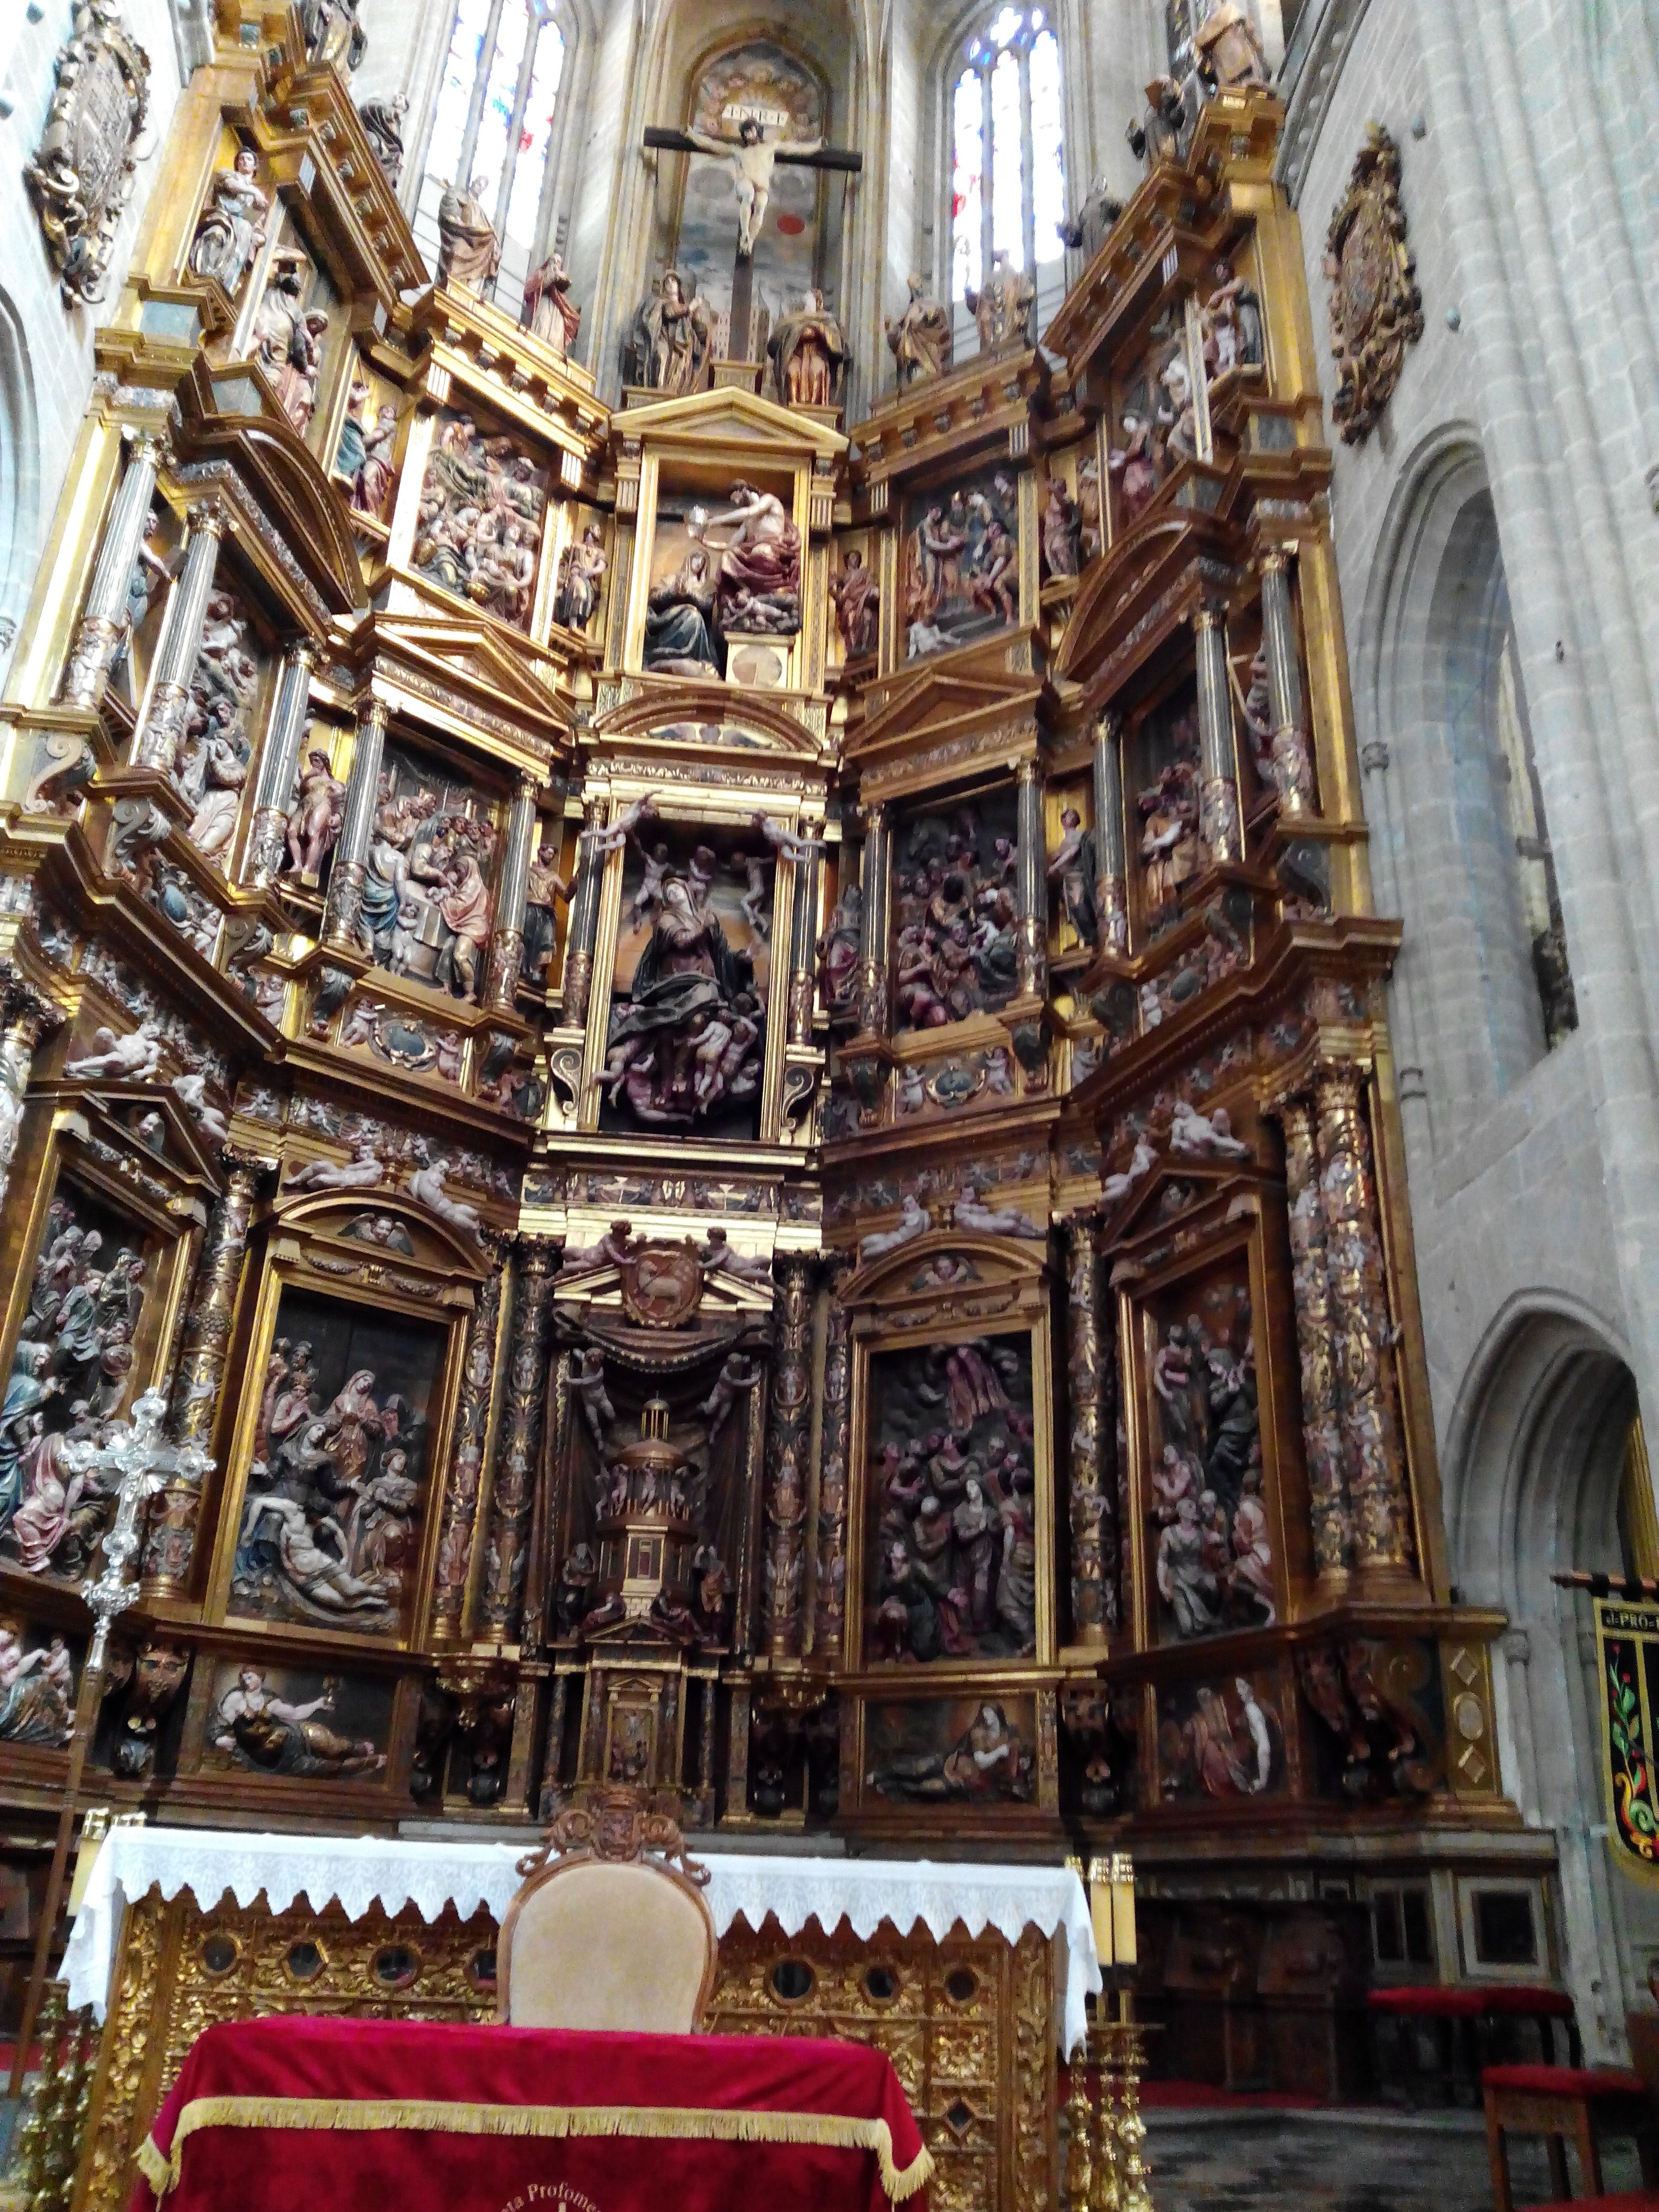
82 173
1376 309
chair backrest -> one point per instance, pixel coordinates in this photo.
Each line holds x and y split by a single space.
604 1933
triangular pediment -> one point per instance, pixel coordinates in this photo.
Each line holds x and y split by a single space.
1157 1200
469 659
933 701
712 417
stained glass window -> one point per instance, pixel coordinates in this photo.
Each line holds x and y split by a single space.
1007 151
493 122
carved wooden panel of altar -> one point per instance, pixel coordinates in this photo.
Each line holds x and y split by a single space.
967 2022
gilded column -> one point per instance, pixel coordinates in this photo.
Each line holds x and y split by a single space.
156 744
26 1016
104 621
829 1614
350 870
1218 802
1094 1536
1363 1331
876 882
512 1505
457 1524
1329 1511
170 1539
1030 897
583 924
1293 762
786 1459
267 836
506 939
803 942
1111 875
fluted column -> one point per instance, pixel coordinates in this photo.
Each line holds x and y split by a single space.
1030 897
104 620
582 927
1218 802
829 1610
457 1524
1291 761
789 1448
1329 1511
507 939
199 1380
156 744
350 870
874 928
513 1504
1111 875
1094 1536
273 790
1362 1328
803 945
26 1016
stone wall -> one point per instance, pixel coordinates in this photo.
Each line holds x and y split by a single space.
46 348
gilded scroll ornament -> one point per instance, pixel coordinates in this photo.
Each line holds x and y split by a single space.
82 173
1374 307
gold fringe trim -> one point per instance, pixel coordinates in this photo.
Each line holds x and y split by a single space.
825 2130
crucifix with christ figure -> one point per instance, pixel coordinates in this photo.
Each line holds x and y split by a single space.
751 154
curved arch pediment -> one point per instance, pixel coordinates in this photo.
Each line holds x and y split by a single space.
707 713
419 1238
947 1261
1145 574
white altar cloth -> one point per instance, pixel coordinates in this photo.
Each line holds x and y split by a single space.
360 1871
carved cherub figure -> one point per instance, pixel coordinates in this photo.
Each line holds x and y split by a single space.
738 1374
587 1388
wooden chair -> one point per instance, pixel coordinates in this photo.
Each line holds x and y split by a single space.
1558 2102
610 1929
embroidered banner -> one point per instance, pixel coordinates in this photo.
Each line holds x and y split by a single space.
1628 1649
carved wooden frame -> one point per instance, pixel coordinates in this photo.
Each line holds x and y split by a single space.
309 1251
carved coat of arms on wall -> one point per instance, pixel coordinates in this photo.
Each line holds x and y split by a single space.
1376 309
81 172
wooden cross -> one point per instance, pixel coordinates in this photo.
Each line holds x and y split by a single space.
751 154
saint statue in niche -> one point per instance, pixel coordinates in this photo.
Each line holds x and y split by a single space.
468 251
919 340
232 226
679 621
809 355
689 1040
549 308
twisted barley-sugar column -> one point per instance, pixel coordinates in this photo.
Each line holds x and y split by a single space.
156 744
104 621
1218 751
350 870
513 1498
1330 1512
457 1525
1031 946
582 926
875 884
507 939
273 792
1111 878
1362 1328
26 1016
1094 1534
1293 762
829 1614
198 1379
788 1447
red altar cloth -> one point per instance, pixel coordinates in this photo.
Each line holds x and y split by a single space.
355 2115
